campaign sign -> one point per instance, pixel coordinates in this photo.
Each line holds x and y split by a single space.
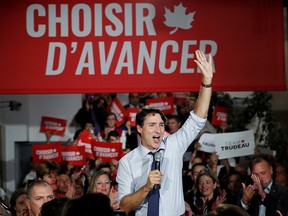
85 139
235 144
53 125
207 142
220 116
116 107
45 152
107 151
132 112
166 105
74 155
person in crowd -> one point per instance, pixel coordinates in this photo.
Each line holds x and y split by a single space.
173 123
110 125
93 110
48 171
53 207
233 188
38 193
263 196
225 209
102 183
88 205
65 184
194 173
134 101
281 180
135 180
18 205
208 194
89 126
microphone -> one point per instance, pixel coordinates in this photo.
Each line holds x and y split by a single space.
157 158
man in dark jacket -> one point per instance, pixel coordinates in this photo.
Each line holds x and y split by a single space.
263 196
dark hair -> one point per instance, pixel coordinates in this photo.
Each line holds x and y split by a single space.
113 133
53 207
258 159
176 117
228 210
46 167
88 205
15 196
147 110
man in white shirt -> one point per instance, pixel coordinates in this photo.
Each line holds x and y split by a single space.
135 178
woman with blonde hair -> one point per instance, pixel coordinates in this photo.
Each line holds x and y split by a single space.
208 194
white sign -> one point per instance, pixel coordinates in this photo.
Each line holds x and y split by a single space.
207 142
229 145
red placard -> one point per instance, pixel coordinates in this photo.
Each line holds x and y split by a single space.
120 112
107 151
165 104
119 46
84 139
132 112
52 125
220 116
74 155
45 152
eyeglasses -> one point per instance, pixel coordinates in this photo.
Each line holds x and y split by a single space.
107 182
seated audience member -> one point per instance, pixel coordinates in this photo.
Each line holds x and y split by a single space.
64 184
38 193
102 183
18 205
263 196
88 205
228 210
53 207
208 194
48 172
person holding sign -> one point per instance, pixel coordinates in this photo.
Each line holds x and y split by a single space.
138 184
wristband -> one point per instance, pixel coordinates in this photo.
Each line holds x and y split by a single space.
206 85
263 196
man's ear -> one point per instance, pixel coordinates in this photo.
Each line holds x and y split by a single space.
139 129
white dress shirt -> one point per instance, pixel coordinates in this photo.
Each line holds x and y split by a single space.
134 168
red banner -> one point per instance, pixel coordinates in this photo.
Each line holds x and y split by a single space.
85 139
45 152
53 125
74 155
220 116
107 151
164 104
132 112
120 112
119 46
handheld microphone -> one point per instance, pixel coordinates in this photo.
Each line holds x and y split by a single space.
157 158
